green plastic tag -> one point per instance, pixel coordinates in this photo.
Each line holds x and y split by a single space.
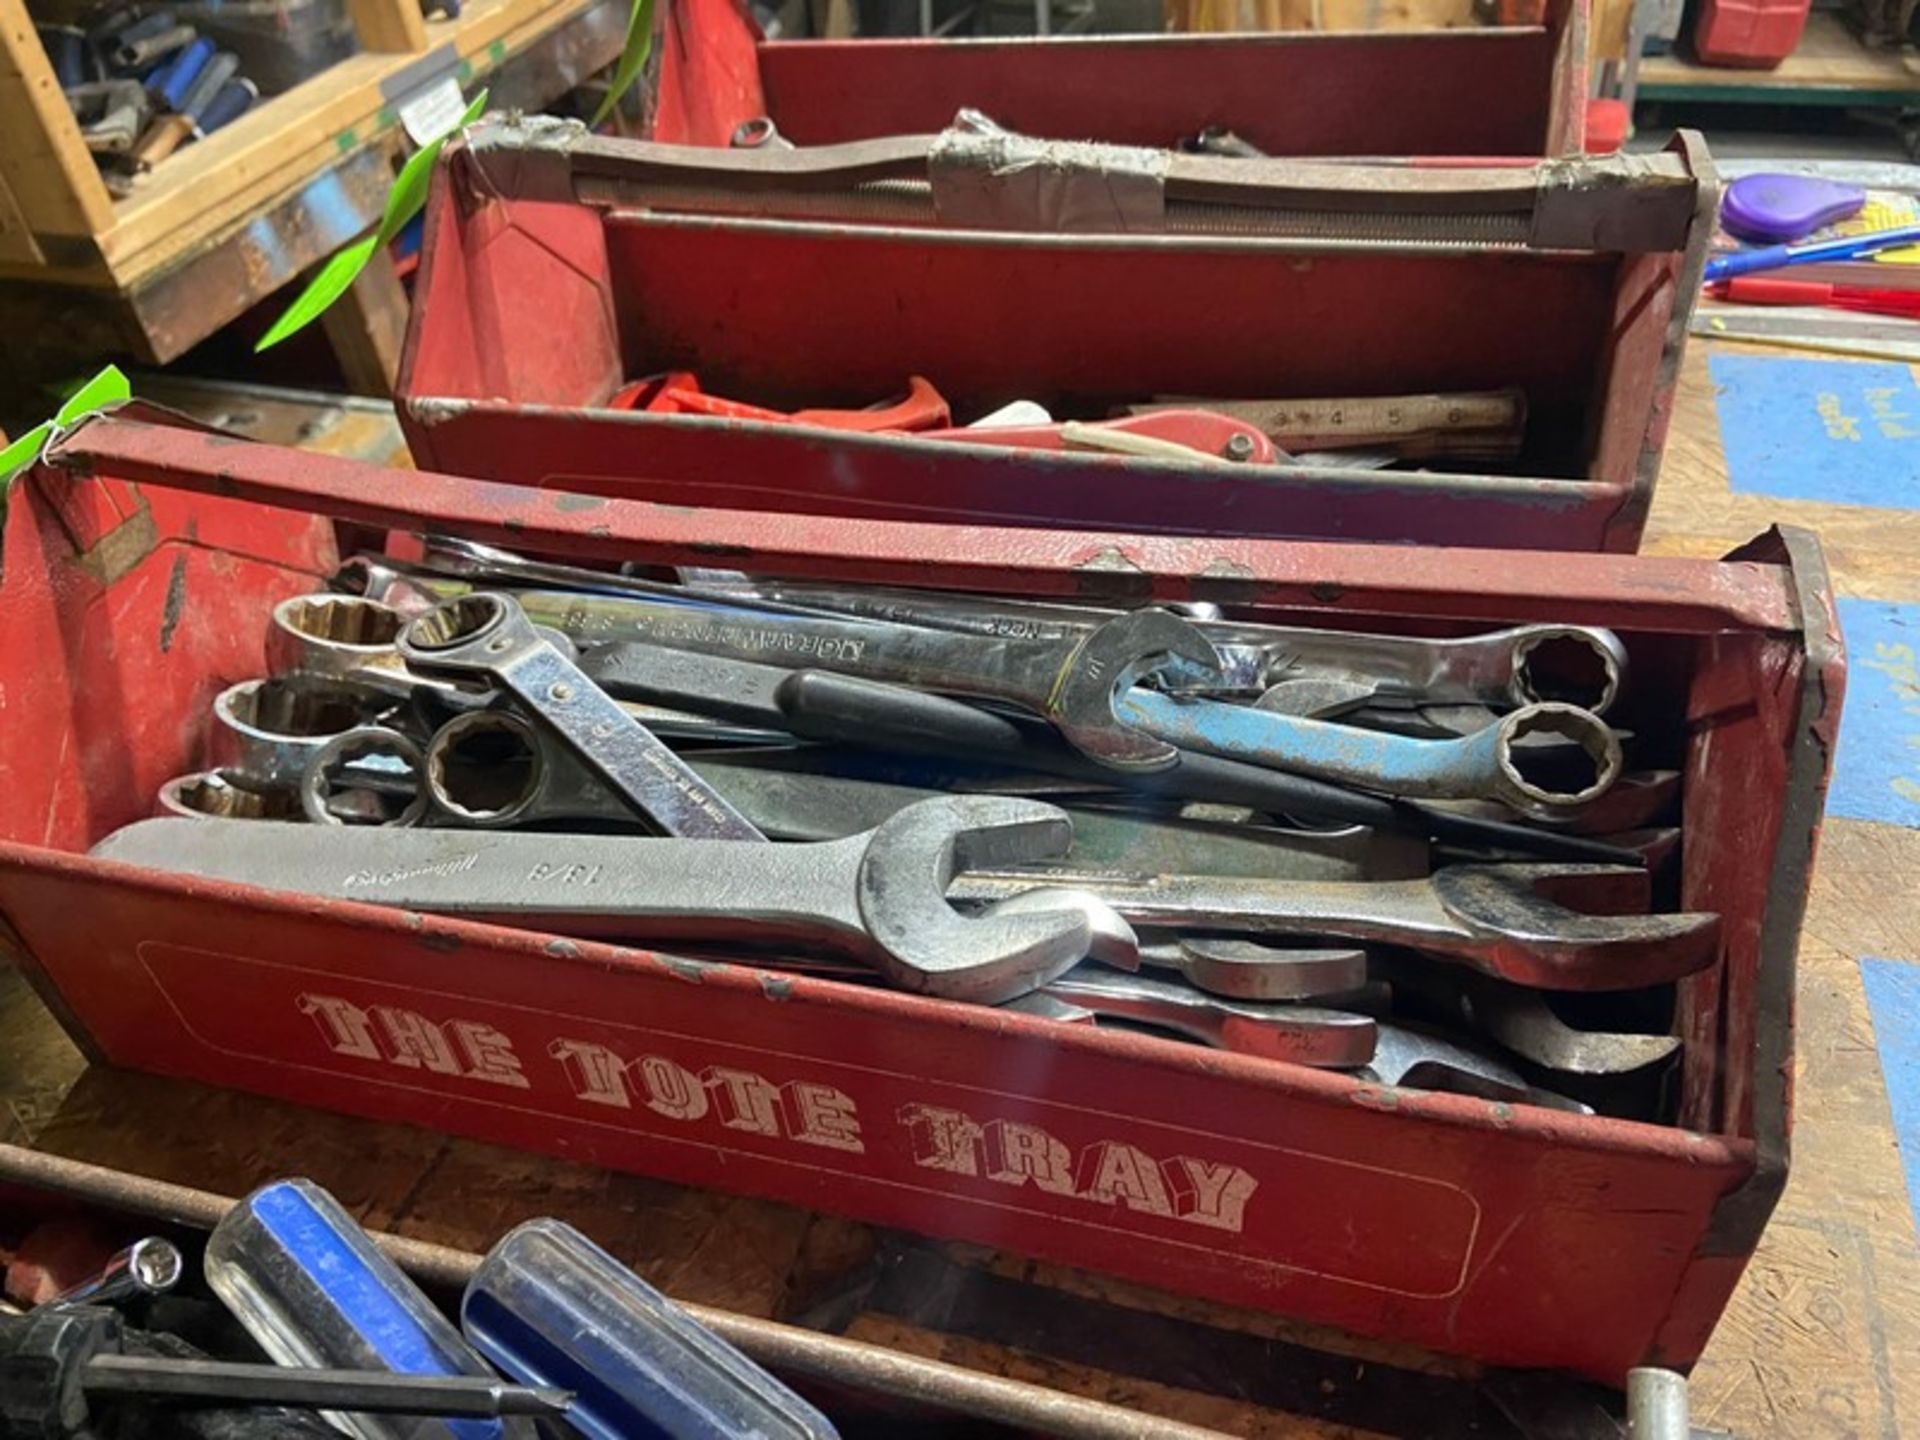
633 58
407 198
107 388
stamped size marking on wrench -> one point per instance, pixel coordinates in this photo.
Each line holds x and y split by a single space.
878 897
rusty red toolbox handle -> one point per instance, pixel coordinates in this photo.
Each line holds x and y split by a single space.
148 445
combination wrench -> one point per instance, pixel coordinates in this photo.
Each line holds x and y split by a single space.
878 897
1494 763
1494 918
1524 665
1071 682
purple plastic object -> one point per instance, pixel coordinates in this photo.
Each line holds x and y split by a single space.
1776 208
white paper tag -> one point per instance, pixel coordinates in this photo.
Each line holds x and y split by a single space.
433 112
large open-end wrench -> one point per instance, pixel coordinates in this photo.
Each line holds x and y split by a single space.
1420 1060
1071 683
879 897
1492 917
486 636
1303 1034
1495 763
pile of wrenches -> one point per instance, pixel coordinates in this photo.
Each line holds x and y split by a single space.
1406 857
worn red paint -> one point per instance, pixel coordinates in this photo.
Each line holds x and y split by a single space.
1516 1235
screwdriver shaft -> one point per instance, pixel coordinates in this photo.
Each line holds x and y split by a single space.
373 1391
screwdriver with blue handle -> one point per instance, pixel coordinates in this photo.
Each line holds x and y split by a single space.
311 1287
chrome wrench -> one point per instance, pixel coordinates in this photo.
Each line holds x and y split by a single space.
1491 917
878 897
1493 763
486 636
1302 1034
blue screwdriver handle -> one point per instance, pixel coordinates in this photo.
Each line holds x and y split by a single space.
547 1301
1774 257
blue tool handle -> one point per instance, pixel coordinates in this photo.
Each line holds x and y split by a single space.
179 74
236 97
310 1286
1745 262
549 1302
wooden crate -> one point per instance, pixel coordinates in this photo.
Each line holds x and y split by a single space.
310 163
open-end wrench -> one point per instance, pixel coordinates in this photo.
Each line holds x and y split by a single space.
879 897
1420 1060
1492 764
1574 664
1523 1021
1302 1034
486 636
1071 683
1492 917
490 769
1242 969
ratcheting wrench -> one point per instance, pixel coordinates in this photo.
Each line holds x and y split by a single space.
1302 1034
1494 763
1492 917
486 635
878 897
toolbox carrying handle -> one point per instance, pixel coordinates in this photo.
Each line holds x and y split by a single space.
148 445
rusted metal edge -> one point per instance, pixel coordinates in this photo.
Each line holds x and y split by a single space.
785 1348
143 444
1742 1213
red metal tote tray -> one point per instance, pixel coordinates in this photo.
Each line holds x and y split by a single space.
140 563
559 267
1512 89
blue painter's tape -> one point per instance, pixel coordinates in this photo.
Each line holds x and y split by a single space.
1840 431
1893 997
1876 774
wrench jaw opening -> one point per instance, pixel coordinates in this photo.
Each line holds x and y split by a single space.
1084 705
1536 782
1522 935
921 943
1576 666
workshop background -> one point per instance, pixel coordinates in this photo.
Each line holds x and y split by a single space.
1425 316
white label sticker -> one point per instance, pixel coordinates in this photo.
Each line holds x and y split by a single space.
433 112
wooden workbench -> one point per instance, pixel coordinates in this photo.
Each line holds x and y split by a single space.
1822 1340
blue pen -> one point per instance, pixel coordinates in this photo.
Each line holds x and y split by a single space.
1772 257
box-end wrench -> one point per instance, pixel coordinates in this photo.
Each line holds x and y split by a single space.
491 769
351 643
486 636
1492 917
1492 764
878 897
1325 671
1073 684
819 705
1302 1034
